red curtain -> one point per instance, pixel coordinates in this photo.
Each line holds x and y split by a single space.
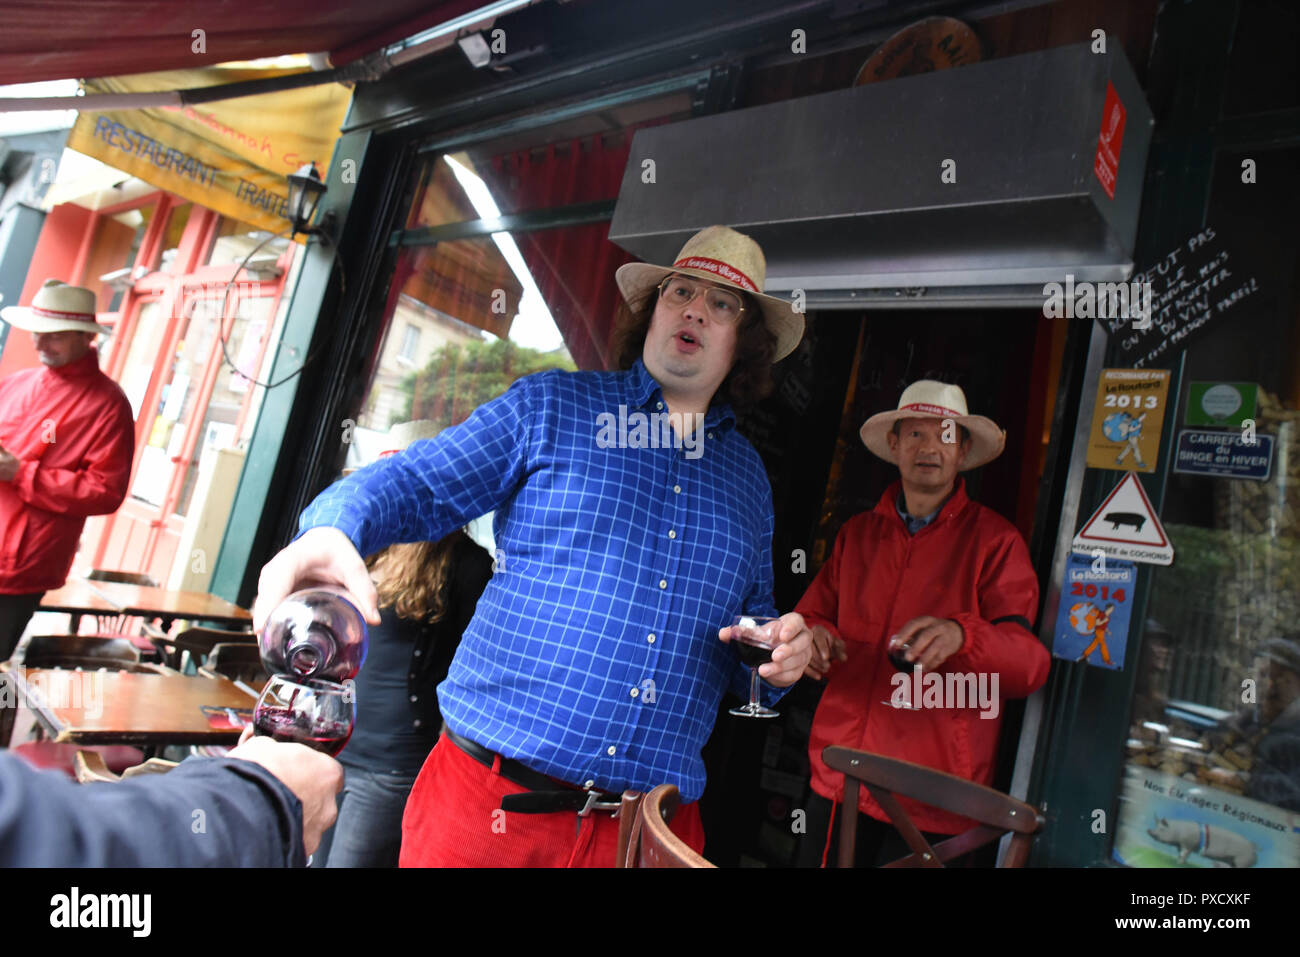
574 265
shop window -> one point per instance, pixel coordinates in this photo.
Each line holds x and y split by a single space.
234 240
410 342
114 254
177 220
1213 770
220 424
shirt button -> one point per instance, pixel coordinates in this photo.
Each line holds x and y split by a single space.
590 784
651 639
672 534
635 692
417 652
415 698
416 722
611 750
710 435
677 490
659 405
663 583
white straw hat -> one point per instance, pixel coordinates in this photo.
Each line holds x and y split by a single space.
56 307
928 399
728 258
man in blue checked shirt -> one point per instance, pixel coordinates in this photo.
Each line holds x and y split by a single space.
632 522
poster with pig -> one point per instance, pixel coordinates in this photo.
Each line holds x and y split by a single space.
1168 821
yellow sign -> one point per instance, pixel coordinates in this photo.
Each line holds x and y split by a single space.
1128 418
231 156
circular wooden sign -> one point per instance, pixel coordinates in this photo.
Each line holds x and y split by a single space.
935 43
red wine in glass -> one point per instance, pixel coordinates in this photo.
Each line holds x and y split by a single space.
898 661
319 714
751 655
753 640
282 724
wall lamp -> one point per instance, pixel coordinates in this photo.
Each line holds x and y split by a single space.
305 193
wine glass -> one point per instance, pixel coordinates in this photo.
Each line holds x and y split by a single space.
319 714
896 650
753 640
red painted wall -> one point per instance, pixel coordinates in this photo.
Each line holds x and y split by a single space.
56 252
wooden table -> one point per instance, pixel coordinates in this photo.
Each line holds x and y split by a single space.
77 597
162 603
120 707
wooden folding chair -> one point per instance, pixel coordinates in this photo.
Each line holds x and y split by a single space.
198 643
644 838
90 767
77 651
238 662
999 814
133 628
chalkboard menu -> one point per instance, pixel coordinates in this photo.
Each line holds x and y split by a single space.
1194 286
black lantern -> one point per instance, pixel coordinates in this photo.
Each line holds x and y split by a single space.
305 192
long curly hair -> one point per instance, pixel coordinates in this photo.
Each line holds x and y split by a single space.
750 378
413 578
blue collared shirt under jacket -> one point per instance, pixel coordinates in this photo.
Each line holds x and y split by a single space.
593 656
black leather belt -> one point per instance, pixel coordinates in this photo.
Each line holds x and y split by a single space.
545 794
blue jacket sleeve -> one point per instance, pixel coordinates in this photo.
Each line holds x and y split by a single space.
436 485
205 813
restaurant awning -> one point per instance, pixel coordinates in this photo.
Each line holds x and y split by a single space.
230 155
60 39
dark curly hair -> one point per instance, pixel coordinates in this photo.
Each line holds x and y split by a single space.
750 378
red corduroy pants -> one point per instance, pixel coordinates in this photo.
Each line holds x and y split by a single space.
454 819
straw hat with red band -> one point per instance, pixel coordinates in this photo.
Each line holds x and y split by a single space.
728 258
928 399
56 307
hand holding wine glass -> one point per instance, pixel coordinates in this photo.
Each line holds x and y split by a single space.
314 779
790 654
925 640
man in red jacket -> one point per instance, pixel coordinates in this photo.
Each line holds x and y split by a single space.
938 581
67 437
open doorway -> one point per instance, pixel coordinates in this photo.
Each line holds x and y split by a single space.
849 367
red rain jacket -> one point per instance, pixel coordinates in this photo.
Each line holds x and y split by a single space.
72 429
969 564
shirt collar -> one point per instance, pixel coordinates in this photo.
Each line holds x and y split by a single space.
643 389
893 501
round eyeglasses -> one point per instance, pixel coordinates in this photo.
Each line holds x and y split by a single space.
723 305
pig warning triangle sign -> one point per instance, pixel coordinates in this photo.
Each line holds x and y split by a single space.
1126 527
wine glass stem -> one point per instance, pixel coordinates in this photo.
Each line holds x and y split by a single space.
753 688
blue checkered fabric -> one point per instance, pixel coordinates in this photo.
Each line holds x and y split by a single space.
593 656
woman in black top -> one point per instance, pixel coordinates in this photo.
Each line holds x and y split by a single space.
427 594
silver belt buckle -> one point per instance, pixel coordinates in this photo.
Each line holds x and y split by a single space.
595 804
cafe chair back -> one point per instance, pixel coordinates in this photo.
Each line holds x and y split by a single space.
237 661
885 778
199 642
61 756
90 767
125 626
76 651
644 838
